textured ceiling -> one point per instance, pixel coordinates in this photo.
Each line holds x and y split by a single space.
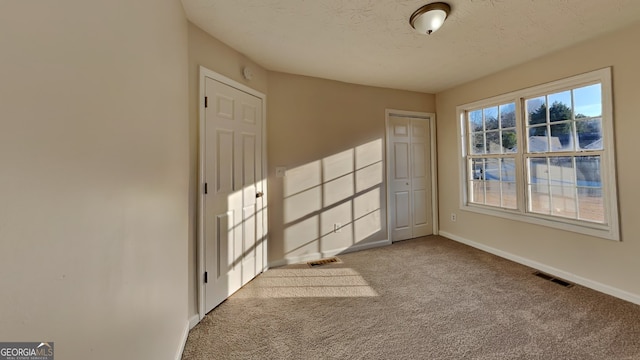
370 42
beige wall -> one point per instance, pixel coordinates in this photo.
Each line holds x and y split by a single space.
330 137
611 263
204 50
94 177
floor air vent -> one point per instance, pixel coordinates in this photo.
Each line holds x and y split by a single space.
553 279
333 260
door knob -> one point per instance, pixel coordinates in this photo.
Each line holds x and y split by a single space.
259 194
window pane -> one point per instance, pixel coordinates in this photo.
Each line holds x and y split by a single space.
509 197
493 182
539 201
591 204
477 192
475 120
589 134
477 143
538 141
560 106
538 171
477 169
491 118
561 137
508 116
476 175
563 200
492 169
538 130
508 176
588 101
492 193
509 141
493 142
588 171
561 171
536 110
508 170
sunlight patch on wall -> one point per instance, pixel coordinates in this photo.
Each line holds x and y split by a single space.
332 239
367 225
303 203
369 176
366 203
337 190
337 165
369 153
332 203
302 178
303 234
367 214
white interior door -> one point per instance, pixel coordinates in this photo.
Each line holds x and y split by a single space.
409 157
233 224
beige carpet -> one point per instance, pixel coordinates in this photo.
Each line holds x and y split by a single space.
429 298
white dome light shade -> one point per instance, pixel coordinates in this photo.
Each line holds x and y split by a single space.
430 17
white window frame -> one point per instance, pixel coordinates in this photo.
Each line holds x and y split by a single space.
610 229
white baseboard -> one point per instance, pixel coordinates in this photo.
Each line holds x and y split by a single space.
185 334
193 321
320 255
603 288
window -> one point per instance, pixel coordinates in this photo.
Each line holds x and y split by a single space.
544 155
493 148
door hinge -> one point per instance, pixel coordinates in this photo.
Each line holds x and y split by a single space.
205 188
206 277
206 101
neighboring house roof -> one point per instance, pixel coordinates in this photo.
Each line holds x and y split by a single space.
541 143
596 145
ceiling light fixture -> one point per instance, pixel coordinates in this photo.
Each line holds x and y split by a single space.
430 17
